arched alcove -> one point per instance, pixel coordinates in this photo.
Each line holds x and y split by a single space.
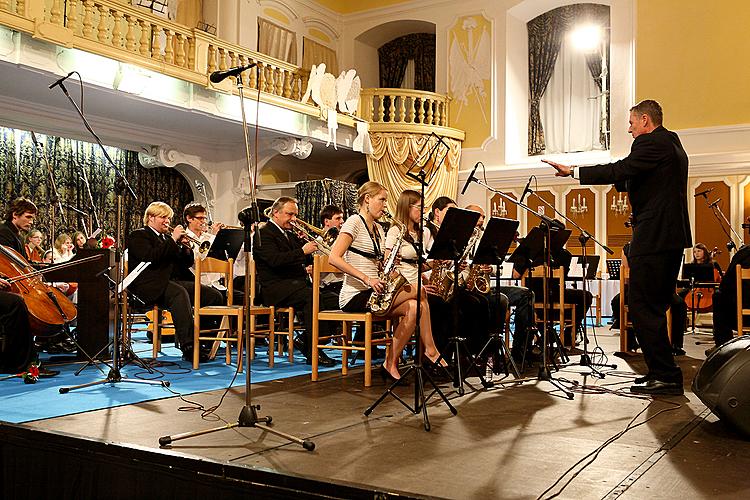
366 45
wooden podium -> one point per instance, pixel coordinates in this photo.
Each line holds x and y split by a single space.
94 303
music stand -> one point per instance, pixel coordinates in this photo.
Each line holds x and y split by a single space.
543 246
613 268
450 244
418 173
495 242
590 263
227 244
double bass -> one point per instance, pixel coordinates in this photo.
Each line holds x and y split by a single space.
49 308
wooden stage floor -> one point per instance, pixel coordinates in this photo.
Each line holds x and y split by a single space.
512 441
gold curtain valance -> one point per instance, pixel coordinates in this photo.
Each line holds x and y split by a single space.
394 153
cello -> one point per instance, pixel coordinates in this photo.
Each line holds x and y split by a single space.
701 299
49 308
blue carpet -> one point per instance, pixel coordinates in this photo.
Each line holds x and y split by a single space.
21 402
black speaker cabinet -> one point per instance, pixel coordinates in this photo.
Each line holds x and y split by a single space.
723 383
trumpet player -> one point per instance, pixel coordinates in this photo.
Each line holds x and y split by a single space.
196 217
281 257
358 252
160 283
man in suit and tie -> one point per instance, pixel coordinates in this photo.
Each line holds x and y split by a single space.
281 258
159 283
655 176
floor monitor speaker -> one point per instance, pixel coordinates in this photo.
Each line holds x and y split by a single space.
723 383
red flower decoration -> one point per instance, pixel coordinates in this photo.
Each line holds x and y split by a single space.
32 374
108 242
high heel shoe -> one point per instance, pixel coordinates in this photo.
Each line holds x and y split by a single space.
386 375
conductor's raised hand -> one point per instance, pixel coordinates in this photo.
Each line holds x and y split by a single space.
562 170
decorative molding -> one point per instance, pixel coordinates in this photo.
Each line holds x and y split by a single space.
298 148
282 6
398 9
316 22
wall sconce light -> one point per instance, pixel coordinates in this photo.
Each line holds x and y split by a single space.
581 208
619 204
499 209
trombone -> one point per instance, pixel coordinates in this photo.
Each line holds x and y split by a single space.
203 246
311 233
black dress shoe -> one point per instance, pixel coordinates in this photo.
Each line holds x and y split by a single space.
187 354
323 360
643 379
658 387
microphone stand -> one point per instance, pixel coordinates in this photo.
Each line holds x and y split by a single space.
121 185
420 400
55 203
249 413
85 179
722 219
544 372
583 237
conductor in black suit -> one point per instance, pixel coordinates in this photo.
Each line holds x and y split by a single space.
160 282
655 176
281 258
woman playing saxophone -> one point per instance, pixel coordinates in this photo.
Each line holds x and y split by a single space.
357 252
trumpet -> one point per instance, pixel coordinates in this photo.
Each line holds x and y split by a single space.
203 246
311 233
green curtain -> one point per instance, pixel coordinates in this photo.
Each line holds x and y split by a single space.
25 173
316 194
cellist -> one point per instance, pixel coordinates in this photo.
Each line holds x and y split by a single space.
14 317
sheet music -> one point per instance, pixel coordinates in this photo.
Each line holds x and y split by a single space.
506 271
575 270
132 275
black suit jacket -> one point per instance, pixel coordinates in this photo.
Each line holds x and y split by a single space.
728 286
655 176
10 237
279 262
166 257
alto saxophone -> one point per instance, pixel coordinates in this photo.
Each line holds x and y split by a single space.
381 303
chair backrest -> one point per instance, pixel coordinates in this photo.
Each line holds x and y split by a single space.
742 274
211 265
320 265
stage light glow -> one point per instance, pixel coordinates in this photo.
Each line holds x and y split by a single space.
586 37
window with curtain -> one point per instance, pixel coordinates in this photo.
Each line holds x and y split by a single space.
568 85
275 41
316 53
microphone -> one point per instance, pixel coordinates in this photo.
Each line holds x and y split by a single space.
218 76
704 192
526 190
712 205
471 178
60 80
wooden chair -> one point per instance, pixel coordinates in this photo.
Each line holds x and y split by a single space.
742 274
211 265
289 331
321 265
144 315
566 313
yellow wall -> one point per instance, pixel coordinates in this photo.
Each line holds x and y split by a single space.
691 56
349 6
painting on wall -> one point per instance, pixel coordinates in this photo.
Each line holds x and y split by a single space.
470 78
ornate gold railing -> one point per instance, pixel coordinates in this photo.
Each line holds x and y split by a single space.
133 35
403 110
119 31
